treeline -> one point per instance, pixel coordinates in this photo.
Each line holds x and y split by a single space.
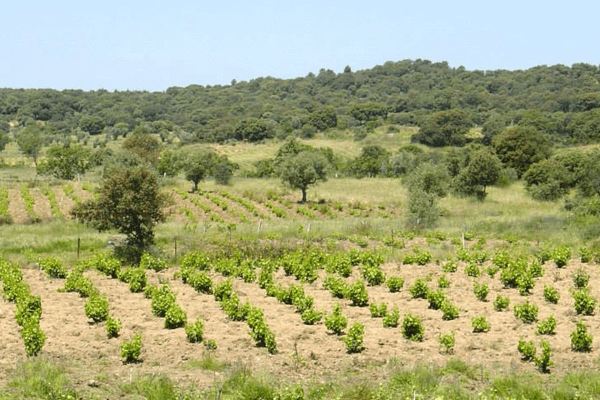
558 100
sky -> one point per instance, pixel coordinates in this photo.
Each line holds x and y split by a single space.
153 45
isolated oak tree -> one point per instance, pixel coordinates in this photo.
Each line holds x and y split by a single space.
302 170
128 200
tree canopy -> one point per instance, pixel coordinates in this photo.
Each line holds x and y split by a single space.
302 170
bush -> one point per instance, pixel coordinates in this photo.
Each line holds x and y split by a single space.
336 286
584 302
195 260
449 311
412 328
96 308
527 349
28 307
175 317
354 339
525 283
378 311
544 361
260 331
53 267
501 303
336 321
481 291
395 283
581 340
201 282
78 283
585 254
373 274
357 294
223 290
148 261
136 277
450 266
390 320
33 337
473 270
131 350
447 342
551 295
232 308
535 269
107 265
581 278
311 316
436 298
162 300
561 255
419 289
480 324
113 327
443 282
526 312
195 331
547 326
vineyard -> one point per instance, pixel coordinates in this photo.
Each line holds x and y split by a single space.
308 313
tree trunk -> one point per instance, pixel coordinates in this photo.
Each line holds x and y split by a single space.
303 196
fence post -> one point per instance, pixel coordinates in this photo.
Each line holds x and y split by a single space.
78 247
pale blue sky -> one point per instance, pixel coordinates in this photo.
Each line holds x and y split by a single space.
152 45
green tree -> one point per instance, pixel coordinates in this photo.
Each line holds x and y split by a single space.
127 200
30 140
169 163
198 166
425 184
65 162
444 128
253 130
323 118
519 147
303 170
373 161
145 146
4 140
547 180
92 124
483 170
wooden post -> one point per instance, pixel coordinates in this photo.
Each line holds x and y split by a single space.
78 247
175 247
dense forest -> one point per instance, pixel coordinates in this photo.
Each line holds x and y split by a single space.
558 100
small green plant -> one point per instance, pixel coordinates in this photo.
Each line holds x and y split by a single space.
547 326
395 283
132 349
544 361
525 283
450 266
551 295
28 307
135 277
449 311
447 342
311 316
473 270
480 324
336 286
561 255
527 349
526 312
390 320
378 311
201 282
175 317
501 303
443 282
33 337
481 291
492 270
162 300
53 267
336 321
355 337
585 254
195 331
412 328
149 261
536 269
113 327
581 340
436 298
96 308
357 294
581 278
210 344
223 290
584 302
373 274
419 289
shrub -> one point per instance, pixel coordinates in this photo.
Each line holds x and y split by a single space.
175 317
201 282
480 324
481 291
355 337
53 267
581 278
336 286
28 307
584 302
443 282
148 261
162 300
527 349
357 294
373 274
501 303
419 289
581 340
113 327
131 350
378 311
447 342
525 283
210 344
412 328
450 266
336 321
395 283
136 277
551 295
232 308
535 269
419 257
473 270
544 361
260 331
311 316
526 312
449 311
223 290
78 283
561 255
195 260
96 308
107 265
547 326
149 291
33 337
390 320
585 254
436 298
195 331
